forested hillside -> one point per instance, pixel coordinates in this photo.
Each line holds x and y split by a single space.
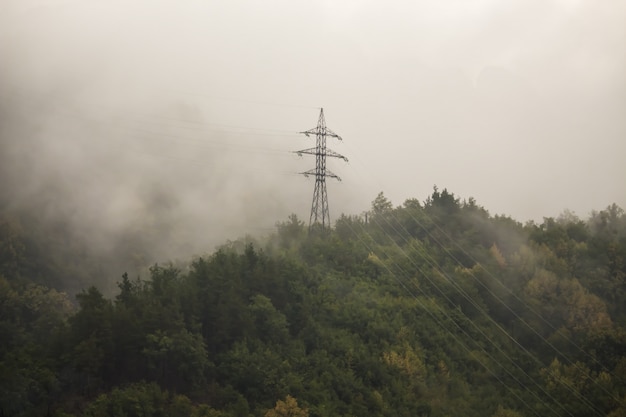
432 308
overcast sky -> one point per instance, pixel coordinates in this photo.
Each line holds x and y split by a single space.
123 106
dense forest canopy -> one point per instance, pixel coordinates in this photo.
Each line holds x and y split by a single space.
432 308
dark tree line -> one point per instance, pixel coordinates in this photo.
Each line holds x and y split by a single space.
431 308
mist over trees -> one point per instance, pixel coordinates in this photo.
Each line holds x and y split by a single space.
137 137
430 308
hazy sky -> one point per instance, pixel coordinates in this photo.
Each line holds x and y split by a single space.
137 109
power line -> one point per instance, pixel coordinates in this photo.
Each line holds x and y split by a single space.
447 330
433 263
480 309
266 103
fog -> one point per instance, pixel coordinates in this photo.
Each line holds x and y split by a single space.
179 118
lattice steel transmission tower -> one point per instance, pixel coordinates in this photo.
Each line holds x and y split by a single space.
319 207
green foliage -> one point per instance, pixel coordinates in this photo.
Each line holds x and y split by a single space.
177 360
427 309
145 400
504 412
11 247
381 204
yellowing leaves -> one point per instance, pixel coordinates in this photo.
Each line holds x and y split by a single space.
497 255
408 361
581 310
287 408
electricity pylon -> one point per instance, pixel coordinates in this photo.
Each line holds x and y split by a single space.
319 207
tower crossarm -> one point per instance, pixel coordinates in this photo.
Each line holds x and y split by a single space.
309 132
315 151
309 172
327 174
310 151
334 154
332 175
332 134
321 131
